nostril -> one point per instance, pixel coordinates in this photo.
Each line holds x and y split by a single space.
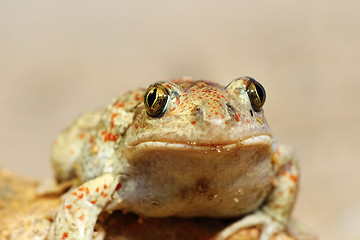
197 111
231 110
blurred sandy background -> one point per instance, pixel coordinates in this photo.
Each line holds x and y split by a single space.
60 58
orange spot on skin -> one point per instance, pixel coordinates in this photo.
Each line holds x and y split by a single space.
92 140
115 137
113 116
116 102
120 105
193 122
81 188
74 193
87 191
97 190
237 117
65 235
118 186
294 178
94 149
81 196
81 218
177 101
108 136
82 135
105 187
137 96
93 202
68 207
104 194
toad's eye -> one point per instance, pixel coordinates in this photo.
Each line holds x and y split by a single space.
156 99
256 93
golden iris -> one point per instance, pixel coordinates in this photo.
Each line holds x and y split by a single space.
156 99
256 93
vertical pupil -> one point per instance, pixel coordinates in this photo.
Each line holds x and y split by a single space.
259 92
152 97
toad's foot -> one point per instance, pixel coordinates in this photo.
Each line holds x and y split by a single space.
80 208
269 226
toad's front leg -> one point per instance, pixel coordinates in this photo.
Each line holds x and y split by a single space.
80 208
274 214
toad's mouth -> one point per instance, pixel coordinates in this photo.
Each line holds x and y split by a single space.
191 145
